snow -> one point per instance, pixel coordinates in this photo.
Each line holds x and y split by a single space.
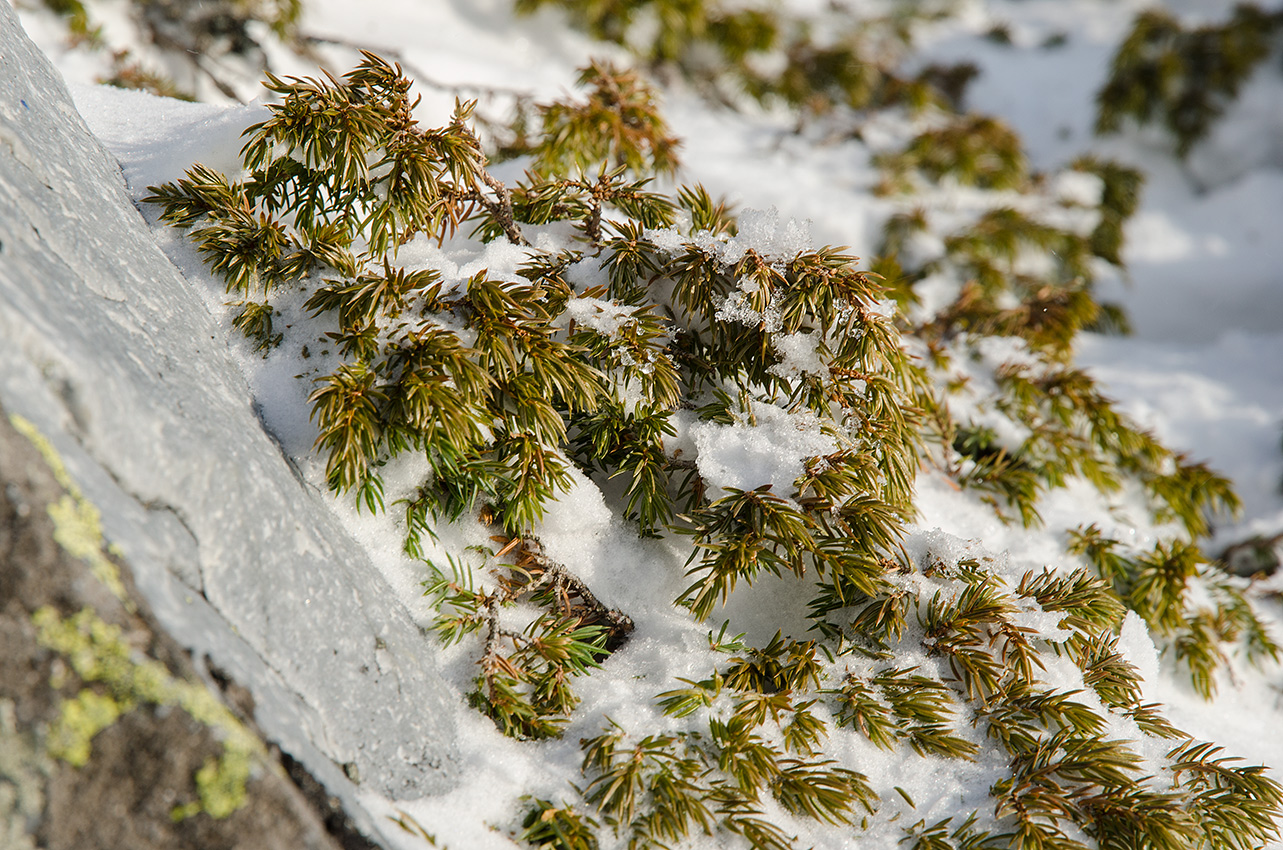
1137 647
799 354
1204 370
158 137
771 449
603 317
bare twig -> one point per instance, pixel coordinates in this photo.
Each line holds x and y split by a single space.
593 229
500 208
566 584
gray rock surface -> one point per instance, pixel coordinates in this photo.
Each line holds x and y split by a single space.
114 357
142 765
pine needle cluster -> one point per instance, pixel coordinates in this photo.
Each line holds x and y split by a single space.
1016 424
1202 610
1013 426
80 27
993 679
618 124
340 176
525 679
975 150
1184 78
658 308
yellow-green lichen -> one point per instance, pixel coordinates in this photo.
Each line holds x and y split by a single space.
221 781
82 717
77 522
98 653
27 428
78 530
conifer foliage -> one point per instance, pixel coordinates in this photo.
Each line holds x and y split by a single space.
1184 78
339 176
650 310
729 49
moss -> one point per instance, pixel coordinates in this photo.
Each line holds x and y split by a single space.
77 522
98 653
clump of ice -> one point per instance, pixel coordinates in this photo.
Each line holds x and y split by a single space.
764 232
499 259
773 450
737 308
925 547
670 240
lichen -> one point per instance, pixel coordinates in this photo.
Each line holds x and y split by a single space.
221 781
28 429
78 530
77 521
98 653
23 769
82 717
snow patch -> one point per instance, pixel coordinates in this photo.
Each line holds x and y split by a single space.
771 449
1137 647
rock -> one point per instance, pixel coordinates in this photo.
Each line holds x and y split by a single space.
140 769
114 357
